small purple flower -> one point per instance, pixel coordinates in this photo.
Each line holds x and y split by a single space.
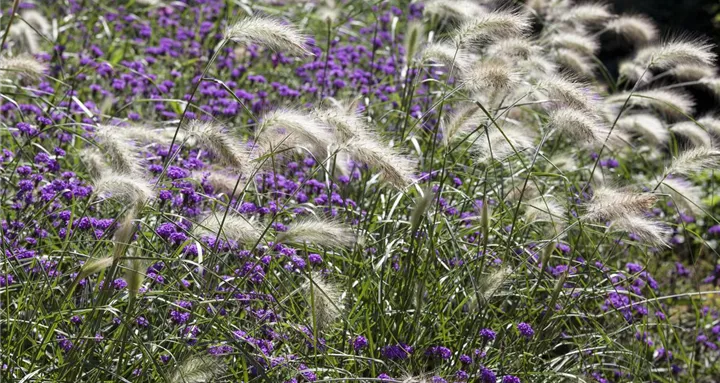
487 335
359 343
487 376
510 379
525 330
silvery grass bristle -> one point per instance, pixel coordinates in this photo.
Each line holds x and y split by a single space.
568 91
546 209
347 125
646 125
316 232
695 160
514 47
453 58
288 128
213 138
499 145
671 103
684 194
710 123
578 124
122 155
490 27
37 21
94 162
128 189
460 121
324 299
588 13
229 226
396 169
489 285
22 65
93 266
415 37
637 29
635 73
649 231
198 369
575 62
577 42
609 203
269 33
490 77
454 10
676 51
694 133
221 183
693 72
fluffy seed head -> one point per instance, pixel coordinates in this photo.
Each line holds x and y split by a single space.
124 188
396 169
692 72
676 52
545 209
94 162
122 155
578 124
214 139
414 37
447 55
491 27
635 73
198 369
497 146
234 227
269 33
710 123
608 204
694 133
587 14
512 47
318 233
684 194
461 120
577 42
490 77
646 125
221 183
569 93
455 10
325 300
669 102
695 160
635 28
24 65
575 62
287 128
649 231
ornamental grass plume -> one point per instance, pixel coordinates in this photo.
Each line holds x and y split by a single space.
461 120
580 43
567 91
22 65
396 169
454 10
213 138
229 226
647 126
490 77
514 47
676 51
450 56
221 183
269 33
577 63
125 188
122 156
693 72
690 130
588 13
695 160
94 162
286 128
325 300
637 29
648 231
499 145
579 125
197 369
491 27
315 232
684 194
608 203
671 103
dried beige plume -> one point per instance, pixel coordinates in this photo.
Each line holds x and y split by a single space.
647 126
454 10
568 92
512 47
94 266
635 28
285 128
347 124
461 120
545 209
575 41
221 183
490 284
94 162
23 65
608 203
396 169
491 27
498 146
490 77
693 133
675 52
144 135
575 62
669 102
684 194
198 369
695 160
692 72
712 84
214 139
128 189
269 33
317 233
647 230
579 124
710 123
446 54
123 156
635 73
231 226
325 300
588 13
415 37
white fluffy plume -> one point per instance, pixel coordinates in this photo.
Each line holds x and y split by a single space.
270 33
